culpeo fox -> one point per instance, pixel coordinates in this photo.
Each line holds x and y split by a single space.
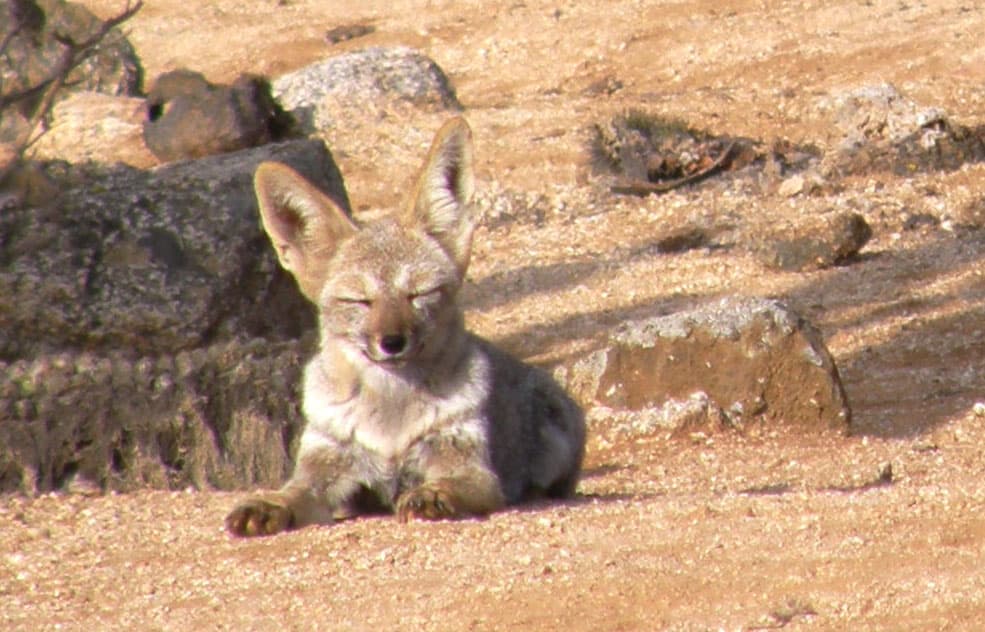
406 410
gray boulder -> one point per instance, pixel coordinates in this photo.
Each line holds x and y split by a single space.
153 261
365 80
729 364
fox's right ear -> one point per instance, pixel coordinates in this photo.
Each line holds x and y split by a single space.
305 226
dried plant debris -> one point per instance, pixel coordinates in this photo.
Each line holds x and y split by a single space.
650 153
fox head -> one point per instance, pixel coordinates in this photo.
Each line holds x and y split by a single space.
385 290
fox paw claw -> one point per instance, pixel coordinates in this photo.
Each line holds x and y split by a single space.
256 516
426 503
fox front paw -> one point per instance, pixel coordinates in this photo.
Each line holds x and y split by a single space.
428 503
257 516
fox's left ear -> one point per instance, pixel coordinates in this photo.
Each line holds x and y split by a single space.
442 201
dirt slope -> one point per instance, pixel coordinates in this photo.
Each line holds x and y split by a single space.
734 532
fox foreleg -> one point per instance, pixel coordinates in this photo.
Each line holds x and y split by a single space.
448 476
324 478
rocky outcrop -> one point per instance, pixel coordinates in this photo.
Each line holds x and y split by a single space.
33 51
876 128
149 336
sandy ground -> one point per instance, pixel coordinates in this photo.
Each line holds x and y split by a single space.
766 530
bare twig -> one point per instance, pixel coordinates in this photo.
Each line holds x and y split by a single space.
8 38
643 188
73 55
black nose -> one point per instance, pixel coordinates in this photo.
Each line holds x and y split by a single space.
393 344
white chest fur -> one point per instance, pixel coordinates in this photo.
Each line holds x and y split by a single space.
384 414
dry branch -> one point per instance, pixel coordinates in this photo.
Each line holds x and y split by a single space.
643 188
72 56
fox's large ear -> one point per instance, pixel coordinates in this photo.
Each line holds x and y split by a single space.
442 201
304 225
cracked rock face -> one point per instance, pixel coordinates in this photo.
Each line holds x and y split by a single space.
753 359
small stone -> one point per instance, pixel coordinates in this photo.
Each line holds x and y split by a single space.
792 186
809 242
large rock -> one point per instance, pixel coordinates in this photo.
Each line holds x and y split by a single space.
320 95
147 335
190 117
95 127
222 417
153 262
801 242
730 363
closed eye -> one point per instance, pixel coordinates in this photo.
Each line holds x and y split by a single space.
354 300
434 291
426 296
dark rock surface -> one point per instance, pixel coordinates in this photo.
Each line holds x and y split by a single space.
153 261
147 334
217 417
33 51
